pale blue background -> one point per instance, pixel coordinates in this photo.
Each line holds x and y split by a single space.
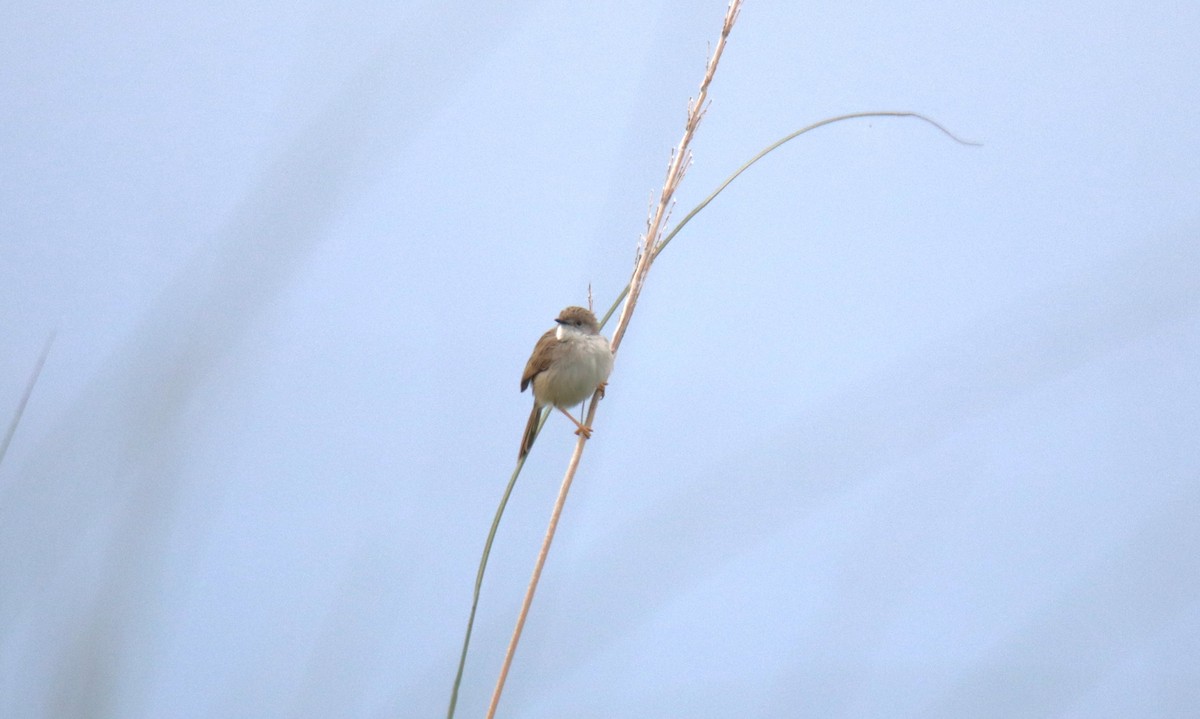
901 428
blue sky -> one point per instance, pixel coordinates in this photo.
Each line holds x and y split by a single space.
900 428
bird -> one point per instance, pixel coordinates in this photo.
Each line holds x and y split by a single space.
568 364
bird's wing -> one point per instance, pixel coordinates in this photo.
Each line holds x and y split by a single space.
540 359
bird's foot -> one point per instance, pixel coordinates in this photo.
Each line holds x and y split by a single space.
584 430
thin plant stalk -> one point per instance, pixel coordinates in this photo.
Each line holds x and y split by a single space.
483 560
676 169
666 240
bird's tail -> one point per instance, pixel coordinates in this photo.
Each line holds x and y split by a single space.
531 431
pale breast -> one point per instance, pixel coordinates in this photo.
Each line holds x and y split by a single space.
584 364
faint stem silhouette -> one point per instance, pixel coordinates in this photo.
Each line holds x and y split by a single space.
33 378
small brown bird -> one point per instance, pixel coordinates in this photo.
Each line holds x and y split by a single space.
568 364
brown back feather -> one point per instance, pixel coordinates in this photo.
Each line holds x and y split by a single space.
539 360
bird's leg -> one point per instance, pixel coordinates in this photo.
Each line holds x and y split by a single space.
583 429
600 390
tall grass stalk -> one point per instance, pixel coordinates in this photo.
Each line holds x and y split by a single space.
680 160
